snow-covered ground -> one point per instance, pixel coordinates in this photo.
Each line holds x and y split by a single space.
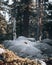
5 12
9 2
2 50
30 48
24 47
5 15
50 1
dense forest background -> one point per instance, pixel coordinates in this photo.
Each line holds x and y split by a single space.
30 18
